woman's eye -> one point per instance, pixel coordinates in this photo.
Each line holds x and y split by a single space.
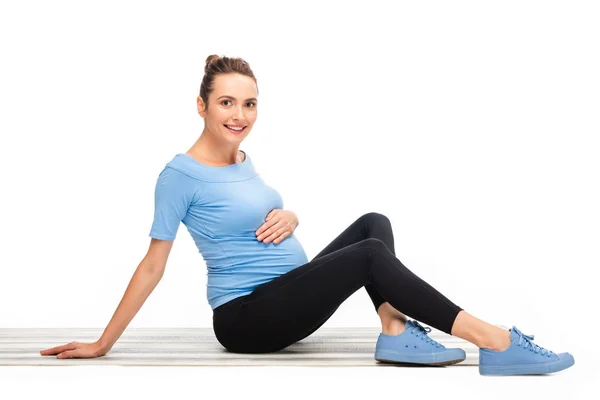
250 102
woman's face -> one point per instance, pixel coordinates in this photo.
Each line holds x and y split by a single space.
233 102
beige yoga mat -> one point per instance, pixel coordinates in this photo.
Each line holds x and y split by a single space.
352 346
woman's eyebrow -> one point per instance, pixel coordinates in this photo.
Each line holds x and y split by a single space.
231 97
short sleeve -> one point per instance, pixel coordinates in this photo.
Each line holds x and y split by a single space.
173 195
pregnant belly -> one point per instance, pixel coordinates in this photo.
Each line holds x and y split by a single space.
288 252
233 253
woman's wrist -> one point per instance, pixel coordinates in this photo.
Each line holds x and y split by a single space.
103 346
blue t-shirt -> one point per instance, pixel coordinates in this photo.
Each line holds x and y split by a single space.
222 207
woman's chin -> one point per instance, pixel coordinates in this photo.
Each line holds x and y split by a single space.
236 137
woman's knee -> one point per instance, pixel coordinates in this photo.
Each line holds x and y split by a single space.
376 217
374 244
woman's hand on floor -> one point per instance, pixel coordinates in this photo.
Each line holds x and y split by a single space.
278 225
76 350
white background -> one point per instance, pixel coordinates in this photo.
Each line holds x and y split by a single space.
472 125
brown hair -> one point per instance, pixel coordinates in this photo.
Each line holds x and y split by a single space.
216 65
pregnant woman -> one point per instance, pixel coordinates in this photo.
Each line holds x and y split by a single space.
264 292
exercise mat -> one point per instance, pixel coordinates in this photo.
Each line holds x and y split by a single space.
336 346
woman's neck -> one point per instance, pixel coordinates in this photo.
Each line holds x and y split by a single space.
214 154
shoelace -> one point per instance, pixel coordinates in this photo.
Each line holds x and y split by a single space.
424 331
528 340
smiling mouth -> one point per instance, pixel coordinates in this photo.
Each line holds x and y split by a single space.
234 130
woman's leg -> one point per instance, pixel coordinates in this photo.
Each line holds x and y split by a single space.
292 306
378 226
467 326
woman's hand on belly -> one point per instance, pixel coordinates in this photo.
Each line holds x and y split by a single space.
278 225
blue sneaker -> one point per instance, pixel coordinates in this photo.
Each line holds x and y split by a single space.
522 357
414 346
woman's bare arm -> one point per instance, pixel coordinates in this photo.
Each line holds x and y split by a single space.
142 283
147 275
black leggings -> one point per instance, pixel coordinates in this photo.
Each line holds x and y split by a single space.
294 305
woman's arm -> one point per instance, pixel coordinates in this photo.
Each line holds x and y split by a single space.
143 282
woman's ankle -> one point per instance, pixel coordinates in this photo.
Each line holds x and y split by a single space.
480 333
499 341
393 327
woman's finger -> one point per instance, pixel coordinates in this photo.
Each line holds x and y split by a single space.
58 349
271 231
67 354
276 234
280 238
261 230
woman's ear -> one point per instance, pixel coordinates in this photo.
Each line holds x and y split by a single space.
201 106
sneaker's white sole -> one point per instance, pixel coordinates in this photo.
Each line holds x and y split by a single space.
387 356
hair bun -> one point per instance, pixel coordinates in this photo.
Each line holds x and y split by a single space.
213 58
